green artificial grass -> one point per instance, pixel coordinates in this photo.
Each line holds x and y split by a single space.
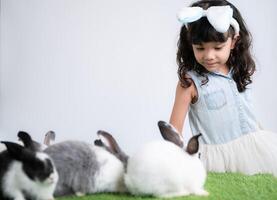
221 186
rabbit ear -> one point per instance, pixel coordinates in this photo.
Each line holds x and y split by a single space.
28 142
109 143
193 145
170 133
17 151
49 136
106 140
25 138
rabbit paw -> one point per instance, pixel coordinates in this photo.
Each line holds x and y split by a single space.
201 192
80 194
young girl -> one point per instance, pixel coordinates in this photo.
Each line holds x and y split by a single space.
215 69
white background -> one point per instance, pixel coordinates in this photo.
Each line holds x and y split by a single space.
77 66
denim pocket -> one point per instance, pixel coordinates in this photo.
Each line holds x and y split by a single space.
215 100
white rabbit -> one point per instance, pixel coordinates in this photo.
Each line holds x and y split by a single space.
165 169
26 173
161 168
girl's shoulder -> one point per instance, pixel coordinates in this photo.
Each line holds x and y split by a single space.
196 78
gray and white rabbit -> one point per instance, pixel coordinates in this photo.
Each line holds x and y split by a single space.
163 168
86 168
49 139
26 174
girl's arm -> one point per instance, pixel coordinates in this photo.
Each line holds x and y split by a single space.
183 98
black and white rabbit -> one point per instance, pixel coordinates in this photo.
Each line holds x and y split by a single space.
48 140
86 168
163 168
26 174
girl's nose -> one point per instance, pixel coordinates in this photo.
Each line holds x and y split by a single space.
209 55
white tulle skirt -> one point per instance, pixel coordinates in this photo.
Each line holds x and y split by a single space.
250 154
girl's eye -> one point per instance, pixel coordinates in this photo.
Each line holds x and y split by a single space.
218 48
199 48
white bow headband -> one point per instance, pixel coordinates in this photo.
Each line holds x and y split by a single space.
220 17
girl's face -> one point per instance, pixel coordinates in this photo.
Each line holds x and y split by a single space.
214 55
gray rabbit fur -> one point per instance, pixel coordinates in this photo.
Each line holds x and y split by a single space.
85 168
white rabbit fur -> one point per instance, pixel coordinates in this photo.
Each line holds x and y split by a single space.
110 175
163 169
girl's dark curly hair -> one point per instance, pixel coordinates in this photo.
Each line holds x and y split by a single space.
240 59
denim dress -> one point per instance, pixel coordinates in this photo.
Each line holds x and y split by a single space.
231 138
221 112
